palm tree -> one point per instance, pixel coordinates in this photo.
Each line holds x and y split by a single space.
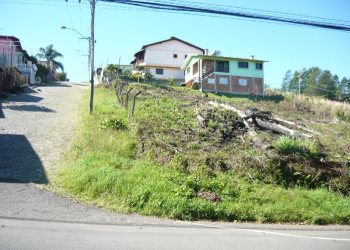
50 54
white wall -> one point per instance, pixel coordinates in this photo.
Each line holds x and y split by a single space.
163 54
168 73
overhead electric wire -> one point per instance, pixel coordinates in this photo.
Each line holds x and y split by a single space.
186 8
201 4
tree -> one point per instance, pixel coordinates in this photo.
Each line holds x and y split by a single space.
286 81
327 85
42 72
110 73
50 55
312 80
344 89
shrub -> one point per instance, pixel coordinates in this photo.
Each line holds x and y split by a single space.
196 86
113 123
298 147
61 76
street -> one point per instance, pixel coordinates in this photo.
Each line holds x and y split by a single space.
29 234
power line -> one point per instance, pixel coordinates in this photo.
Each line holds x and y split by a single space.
225 6
187 8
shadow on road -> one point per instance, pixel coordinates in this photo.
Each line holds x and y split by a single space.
30 108
19 162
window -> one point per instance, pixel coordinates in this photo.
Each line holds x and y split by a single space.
159 71
175 56
188 70
222 66
185 56
243 65
259 66
212 80
243 82
195 68
223 81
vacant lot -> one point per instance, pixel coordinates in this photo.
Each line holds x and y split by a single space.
162 162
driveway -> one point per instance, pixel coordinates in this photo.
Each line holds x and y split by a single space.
35 129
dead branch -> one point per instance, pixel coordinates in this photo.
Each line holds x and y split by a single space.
166 145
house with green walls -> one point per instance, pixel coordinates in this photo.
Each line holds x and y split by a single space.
225 74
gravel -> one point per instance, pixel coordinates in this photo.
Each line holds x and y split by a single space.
36 127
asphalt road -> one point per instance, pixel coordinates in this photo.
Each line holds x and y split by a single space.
29 234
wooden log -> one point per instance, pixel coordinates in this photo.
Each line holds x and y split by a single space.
254 136
281 129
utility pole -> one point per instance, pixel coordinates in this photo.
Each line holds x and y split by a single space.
299 82
92 54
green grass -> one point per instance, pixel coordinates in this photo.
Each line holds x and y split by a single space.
117 169
298 147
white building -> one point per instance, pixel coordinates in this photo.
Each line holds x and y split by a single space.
164 58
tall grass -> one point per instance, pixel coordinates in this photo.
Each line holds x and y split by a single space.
321 106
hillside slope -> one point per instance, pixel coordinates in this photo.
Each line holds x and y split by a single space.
163 161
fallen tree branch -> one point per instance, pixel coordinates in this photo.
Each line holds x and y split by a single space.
281 129
296 125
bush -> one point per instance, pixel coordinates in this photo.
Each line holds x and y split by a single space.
298 147
113 123
61 76
196 86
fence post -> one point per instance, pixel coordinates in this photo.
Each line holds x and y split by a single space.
120 91
127 98
133 105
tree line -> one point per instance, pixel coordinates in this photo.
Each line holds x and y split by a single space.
317 82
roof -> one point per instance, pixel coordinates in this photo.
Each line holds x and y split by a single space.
173 38
14 40
190 56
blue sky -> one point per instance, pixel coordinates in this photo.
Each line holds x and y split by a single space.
121 31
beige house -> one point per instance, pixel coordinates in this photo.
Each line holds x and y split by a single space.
164 58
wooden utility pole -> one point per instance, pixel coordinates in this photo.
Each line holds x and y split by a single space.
92 54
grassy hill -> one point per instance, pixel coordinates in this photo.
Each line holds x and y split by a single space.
162 162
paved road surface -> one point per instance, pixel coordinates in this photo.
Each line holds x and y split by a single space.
24 234
34 126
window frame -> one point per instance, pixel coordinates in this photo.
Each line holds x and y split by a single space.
260 66
211 81
161 70
221 81
245 84
241 63
224 69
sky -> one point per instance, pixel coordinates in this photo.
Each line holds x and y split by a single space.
120 31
